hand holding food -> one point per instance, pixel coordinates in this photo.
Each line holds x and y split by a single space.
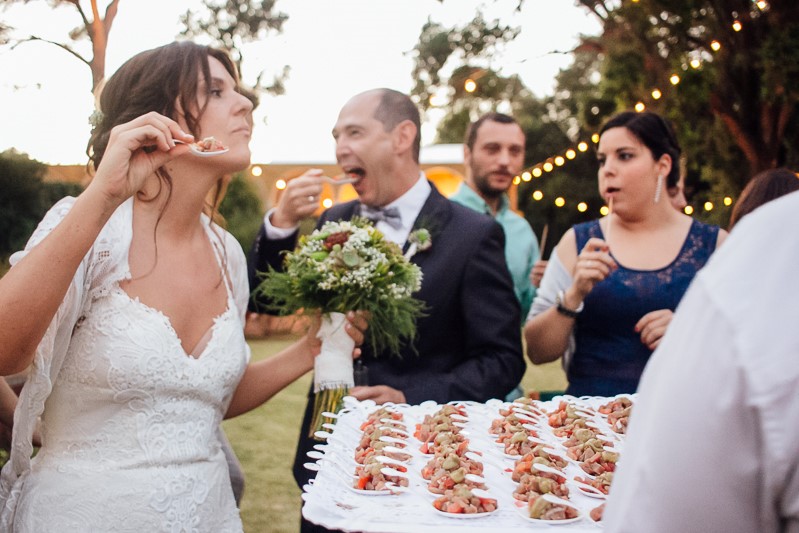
594 264
299 200
135 150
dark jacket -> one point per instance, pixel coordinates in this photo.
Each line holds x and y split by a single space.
469 342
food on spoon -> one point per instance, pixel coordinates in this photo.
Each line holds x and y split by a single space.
462 501
209 144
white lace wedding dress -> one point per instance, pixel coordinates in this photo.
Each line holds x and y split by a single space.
129 420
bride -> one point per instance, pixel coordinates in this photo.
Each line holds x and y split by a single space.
129 303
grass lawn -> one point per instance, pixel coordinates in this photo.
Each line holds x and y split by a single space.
265 440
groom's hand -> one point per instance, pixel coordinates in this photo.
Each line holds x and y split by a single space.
379 394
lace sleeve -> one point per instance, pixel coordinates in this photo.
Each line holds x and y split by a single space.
46 365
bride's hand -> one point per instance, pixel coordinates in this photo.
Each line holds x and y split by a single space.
356 326
135 151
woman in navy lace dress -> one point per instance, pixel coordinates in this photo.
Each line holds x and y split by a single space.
612 284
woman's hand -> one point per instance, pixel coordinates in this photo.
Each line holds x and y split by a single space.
135 151
593 265
379 394
652 327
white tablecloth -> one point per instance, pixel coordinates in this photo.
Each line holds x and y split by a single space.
331 502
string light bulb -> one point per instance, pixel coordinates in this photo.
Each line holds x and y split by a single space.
256 171
560 201
715 46
695 63
537 172
582 207
583 146
517 180
674 79
470 85
604 210
727 201
559 160
640 107
280 184
688 210
708 206
656 94
595 138
538 195
570 154
327 203
548 167
526 176
737 26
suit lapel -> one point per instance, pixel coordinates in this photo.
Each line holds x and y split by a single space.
433 217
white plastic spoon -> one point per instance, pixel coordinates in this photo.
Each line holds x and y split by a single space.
196 151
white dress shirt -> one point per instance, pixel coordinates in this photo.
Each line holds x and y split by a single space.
713 443
409 205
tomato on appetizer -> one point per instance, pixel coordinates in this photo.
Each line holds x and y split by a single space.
371 477
601 482
533 485
600 463
462 501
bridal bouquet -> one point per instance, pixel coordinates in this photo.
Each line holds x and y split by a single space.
346 266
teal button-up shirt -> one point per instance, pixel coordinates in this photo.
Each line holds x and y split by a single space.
521 245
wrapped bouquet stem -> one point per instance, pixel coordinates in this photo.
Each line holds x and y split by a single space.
346 266
333 374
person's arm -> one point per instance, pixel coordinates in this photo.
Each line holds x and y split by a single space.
36 285
8 402
547 334
264 379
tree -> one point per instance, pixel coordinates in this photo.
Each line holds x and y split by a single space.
26 198
97 28
737 64
227 23
232 23
241 209
453 73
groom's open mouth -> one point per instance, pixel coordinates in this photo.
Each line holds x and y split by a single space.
356 173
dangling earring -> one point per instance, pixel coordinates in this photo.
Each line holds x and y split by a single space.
659 188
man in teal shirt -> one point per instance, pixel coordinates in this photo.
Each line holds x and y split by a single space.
493 155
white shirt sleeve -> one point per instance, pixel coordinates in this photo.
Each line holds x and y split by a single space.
274 233
713 442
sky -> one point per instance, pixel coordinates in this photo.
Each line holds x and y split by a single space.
335 49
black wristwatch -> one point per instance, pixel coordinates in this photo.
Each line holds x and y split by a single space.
565 311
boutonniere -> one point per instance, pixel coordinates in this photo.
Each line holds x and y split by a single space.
419 241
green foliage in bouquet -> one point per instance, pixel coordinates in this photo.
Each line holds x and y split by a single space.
348 266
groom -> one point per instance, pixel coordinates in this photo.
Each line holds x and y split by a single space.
469 346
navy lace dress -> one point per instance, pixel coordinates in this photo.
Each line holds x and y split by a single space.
609 356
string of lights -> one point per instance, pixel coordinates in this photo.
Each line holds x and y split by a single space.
550 163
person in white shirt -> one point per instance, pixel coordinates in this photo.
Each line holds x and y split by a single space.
713 442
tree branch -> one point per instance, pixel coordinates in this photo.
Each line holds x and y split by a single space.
110 15
60 45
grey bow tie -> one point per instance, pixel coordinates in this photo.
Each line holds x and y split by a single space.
389 215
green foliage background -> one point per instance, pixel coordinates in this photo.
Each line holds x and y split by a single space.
25 199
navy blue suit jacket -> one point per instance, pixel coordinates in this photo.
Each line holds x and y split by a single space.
469 344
